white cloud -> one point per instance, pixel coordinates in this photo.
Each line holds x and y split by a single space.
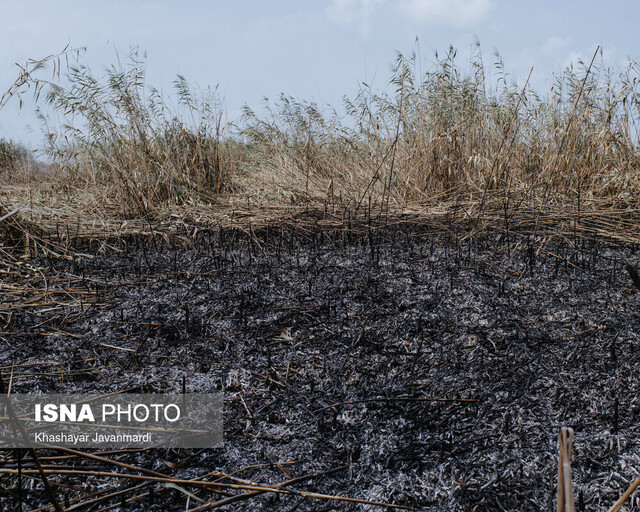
358 13
455 13
555 43
579 59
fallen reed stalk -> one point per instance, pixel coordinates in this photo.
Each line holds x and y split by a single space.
621 501
203 484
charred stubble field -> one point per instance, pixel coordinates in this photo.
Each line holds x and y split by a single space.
428 368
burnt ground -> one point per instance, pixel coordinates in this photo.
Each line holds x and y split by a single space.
329 342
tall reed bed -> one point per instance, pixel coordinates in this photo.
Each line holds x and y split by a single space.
116 133
451 135
12 155
454 133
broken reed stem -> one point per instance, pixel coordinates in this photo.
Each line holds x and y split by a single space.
565 488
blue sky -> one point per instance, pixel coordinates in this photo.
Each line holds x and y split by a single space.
313 49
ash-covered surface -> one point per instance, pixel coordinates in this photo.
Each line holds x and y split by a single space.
326 341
